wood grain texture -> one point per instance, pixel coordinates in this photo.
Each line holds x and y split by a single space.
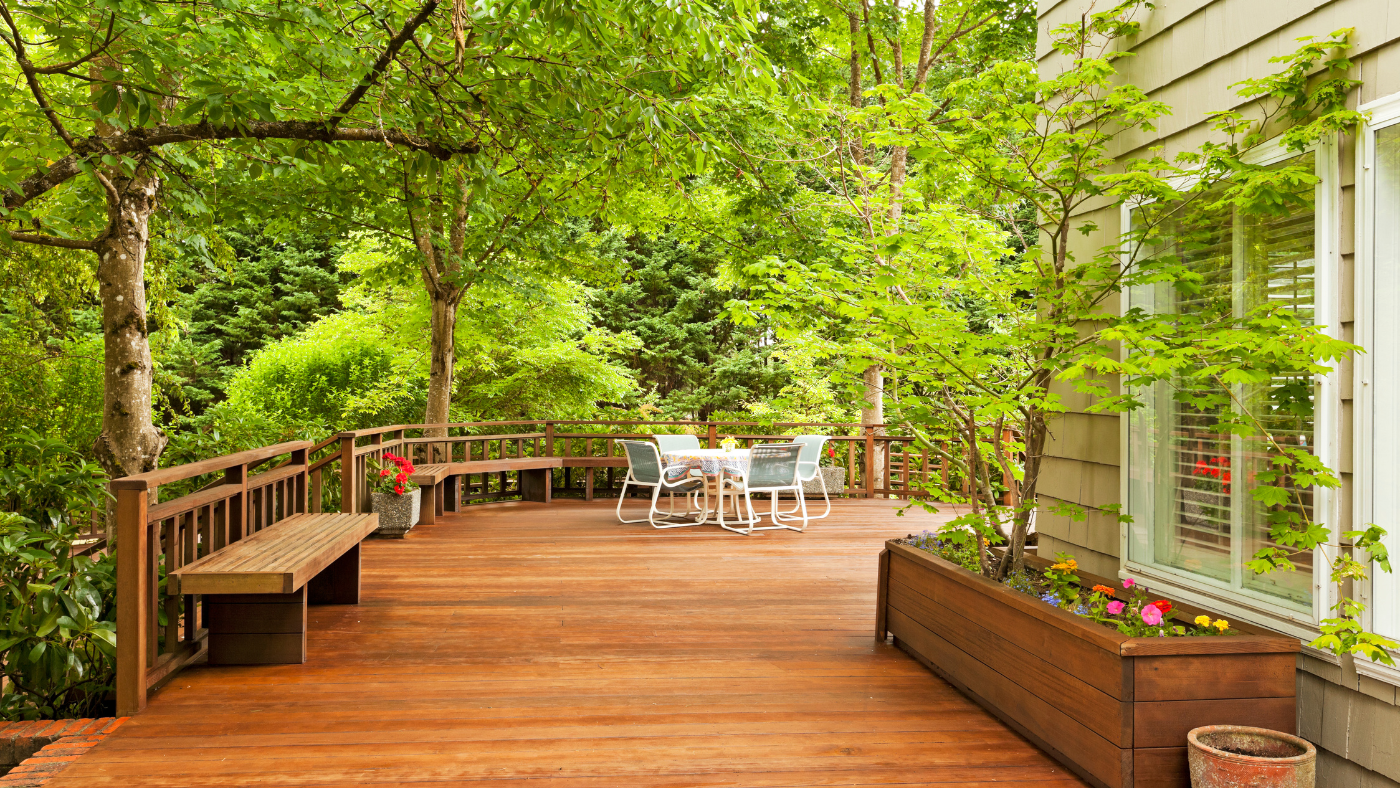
1214 677
278 559
1166 723
548 646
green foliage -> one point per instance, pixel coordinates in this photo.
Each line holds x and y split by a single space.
271 289
689 353
45 481
57 639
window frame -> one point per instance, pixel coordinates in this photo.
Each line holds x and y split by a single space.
1381 594
1236 602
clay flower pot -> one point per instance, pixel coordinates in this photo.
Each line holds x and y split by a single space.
1233 756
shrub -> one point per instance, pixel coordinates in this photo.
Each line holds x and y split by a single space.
57 642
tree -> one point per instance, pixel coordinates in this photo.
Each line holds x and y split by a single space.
130 98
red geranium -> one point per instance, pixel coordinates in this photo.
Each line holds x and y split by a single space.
389 473
398 489
401 477
383 471
1163 605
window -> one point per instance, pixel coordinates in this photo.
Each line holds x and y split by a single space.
1187 487
1378 327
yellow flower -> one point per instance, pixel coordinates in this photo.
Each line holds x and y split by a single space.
1061 567
1221 624
1202 621
1073 564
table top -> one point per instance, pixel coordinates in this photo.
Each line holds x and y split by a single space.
682 454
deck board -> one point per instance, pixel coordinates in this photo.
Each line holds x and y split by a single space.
526 645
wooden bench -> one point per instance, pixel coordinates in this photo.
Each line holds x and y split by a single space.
441 482
256 589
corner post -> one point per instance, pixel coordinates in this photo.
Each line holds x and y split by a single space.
549 439
349 479
714 437
133 597
882 597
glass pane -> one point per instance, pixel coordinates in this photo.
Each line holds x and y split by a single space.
1278 266
1385 367
1198 516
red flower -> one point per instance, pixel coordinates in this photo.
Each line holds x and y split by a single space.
410 469
398 489
401 478
1163 605
390 456
383 472
831 452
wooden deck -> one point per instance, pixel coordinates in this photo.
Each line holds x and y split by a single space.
546 644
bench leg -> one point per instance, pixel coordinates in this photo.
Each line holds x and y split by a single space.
427 504
452 492
256 629
439 494
535 485
339 583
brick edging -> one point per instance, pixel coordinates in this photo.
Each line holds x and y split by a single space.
40 749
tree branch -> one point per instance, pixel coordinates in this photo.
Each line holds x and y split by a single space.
17 44
395 44
139 140
49 240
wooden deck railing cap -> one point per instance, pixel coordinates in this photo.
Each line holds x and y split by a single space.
145 481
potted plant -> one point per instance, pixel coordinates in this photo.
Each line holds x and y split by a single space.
729 444
1226 756
394 496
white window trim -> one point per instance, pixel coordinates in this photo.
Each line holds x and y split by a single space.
1383 113
1219 596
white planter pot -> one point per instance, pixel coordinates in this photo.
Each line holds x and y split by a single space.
397 513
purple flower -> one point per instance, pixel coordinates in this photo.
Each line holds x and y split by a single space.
1115 607
1151 615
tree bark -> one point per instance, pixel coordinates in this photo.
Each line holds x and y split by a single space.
130 442
443 358
872 411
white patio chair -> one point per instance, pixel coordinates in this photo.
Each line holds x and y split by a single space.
644 470
808 468
665 443
772 470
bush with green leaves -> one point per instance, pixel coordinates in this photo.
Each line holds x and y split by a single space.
57 638
47 482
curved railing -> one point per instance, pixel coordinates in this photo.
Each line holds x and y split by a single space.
223 499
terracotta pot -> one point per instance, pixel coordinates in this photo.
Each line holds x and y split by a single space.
397 513
1234 756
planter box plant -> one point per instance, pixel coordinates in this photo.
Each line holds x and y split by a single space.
1114 709
393 495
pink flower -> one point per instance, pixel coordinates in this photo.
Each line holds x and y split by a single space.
1151 616
1128 582
1115 607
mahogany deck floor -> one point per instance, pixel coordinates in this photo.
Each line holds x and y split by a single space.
524 645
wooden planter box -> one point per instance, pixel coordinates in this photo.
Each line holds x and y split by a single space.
1114 709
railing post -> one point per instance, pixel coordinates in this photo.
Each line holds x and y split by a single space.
236 509
349 483
549 439
714 437
133 595
869 461
300 457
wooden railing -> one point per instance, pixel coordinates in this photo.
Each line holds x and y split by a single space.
221 500
594 464
152 539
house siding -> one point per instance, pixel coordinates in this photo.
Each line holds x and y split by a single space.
1187 55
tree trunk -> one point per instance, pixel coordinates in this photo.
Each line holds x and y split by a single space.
443 357
872 411
130 442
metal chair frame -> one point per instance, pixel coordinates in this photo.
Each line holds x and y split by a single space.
811 447
692 484
756 456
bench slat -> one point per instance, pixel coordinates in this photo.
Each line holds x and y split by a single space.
278 559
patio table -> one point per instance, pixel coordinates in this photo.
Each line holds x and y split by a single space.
708 461
715 464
